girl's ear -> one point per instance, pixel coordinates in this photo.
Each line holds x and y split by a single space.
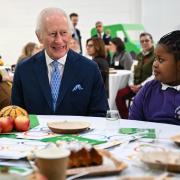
178 65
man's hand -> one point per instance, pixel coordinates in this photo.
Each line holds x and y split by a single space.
135 88
7 78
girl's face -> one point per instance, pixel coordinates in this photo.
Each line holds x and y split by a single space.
166 69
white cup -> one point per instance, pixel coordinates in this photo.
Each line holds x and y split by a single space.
52 162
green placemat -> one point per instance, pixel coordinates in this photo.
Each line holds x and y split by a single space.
8 135
17 170
147 133
69 138
33 123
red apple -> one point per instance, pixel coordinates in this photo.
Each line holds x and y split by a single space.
22 123
6 124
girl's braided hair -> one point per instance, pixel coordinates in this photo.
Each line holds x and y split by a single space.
172 43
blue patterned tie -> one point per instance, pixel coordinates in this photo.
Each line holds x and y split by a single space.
55 82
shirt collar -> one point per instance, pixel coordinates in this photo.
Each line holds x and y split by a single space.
61 60
145 53
101 34
165 86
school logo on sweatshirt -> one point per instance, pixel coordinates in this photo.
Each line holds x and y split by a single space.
177 113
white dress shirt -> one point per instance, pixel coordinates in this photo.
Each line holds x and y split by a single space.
61 61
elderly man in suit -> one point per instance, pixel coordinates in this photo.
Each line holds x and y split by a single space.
58 80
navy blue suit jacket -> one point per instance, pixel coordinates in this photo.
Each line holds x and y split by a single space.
106 38
31 89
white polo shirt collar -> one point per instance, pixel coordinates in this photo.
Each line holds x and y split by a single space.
165 86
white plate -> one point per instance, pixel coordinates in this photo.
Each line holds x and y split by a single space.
166 160
176 139
68 127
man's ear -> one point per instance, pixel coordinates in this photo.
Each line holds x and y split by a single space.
39 36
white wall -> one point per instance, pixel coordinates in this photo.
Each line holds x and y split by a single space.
18 19
160 16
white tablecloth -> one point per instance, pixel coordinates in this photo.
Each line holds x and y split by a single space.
117 81
99 126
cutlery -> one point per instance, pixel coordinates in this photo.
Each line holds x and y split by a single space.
162 176
77 175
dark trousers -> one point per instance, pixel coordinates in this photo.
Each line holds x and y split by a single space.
121 97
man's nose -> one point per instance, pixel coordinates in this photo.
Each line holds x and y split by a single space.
58 38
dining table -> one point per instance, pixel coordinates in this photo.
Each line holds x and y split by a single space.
128 134
127 151
118 79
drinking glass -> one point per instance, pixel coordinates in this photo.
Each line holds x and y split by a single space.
112 115
112 121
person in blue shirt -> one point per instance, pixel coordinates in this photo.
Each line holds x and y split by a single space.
159 99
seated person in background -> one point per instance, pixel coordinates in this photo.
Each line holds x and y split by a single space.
74 45
105 36
29 50
5 91
121 58
1 61
58 81
96 49
142 71
159 99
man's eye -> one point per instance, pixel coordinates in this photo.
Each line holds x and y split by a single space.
64 33
52 34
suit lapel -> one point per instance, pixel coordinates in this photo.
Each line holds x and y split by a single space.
68 75
41 73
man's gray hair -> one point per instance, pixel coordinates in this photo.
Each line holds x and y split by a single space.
47 12
98 23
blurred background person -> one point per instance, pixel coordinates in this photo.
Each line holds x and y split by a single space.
105 36
76 32
142 71
74 45
6 78
101 34
5 90
121 59
29 50
1 61
96 49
